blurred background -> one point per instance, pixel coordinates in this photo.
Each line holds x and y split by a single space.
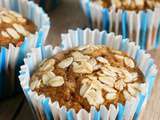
67 15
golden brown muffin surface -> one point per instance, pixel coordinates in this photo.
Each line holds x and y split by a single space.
14 27
135 5
88 76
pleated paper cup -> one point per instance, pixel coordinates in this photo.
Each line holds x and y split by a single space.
45 109
12 57
142 27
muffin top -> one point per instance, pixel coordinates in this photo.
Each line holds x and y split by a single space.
129 4
91 75
14 27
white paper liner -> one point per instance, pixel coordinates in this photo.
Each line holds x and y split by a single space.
12 57
143 27
73 38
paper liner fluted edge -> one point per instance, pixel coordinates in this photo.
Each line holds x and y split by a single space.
143 27
12 57
43 106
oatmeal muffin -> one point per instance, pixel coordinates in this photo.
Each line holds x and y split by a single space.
134 19
129 4
92 75
14 27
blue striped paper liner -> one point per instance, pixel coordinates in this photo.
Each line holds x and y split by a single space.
143 30
104 38
2 70
121 112
31 10
70 115
43 28
3 59
88 12
46 109
40 39
143 25
142 98
139 107
124 25
123 46
80 36
157 38
97 115
14 5
23 50
105 19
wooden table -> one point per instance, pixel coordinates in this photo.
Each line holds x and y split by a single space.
68 15
152 110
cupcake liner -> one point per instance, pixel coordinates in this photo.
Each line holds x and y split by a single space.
142 27
49 110
12 57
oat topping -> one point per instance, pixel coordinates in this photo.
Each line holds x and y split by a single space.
56 81
120 85
84 67
129 4
89 75
14 27
66 63
129 62
111 96
47 65
5 34
102 60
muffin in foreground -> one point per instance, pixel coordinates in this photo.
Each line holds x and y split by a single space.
14 28
93 75
134 19
88 76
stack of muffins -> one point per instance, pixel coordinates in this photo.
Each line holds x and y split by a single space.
135 19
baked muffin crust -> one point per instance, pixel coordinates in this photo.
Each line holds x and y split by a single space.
91 75
14 27
129 4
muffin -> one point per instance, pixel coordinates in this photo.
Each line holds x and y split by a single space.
92 75
23 25
14 28
135 19
88 76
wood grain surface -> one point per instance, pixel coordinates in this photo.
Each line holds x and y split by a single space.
9 107
68 15
152 108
